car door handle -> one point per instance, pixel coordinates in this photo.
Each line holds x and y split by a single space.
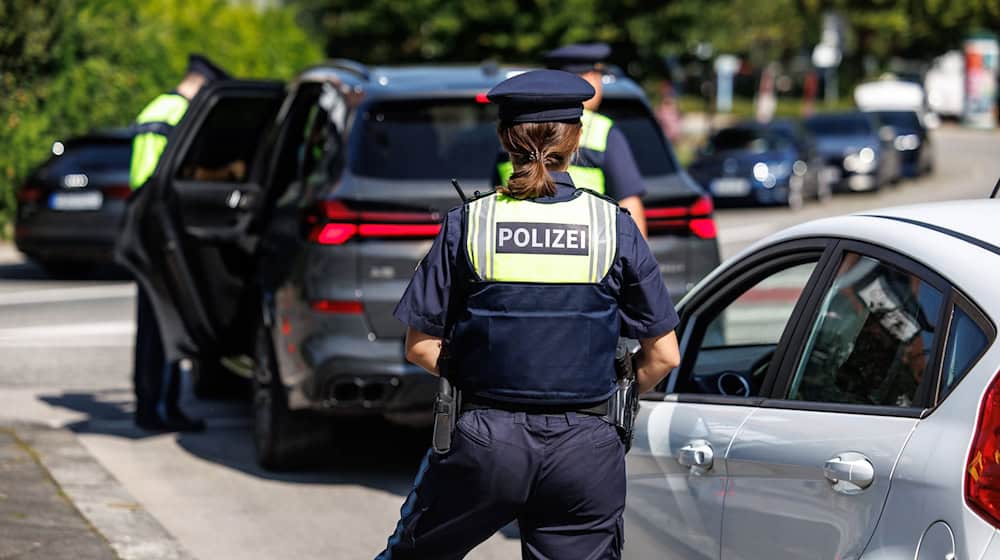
849 473
697 455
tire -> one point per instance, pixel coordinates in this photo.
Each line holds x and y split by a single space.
283 439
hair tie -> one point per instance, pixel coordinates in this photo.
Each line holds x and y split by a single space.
534 155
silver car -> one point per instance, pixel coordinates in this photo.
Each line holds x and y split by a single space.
838 398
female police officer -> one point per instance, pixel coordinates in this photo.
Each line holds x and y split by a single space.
532 286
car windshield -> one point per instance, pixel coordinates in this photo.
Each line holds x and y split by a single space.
443 138
839 125
900 120
742 139
88 158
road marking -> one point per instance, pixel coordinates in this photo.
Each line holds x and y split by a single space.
73 335
86 293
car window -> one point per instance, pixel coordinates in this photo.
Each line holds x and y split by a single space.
739 340
88 158
426 140
648 145
224 147
846 125
900 120
966 342
873 337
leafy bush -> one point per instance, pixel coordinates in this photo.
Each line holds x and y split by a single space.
68 66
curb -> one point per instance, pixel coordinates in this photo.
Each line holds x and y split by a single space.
132 532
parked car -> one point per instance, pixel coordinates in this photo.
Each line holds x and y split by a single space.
70 207
761 164
912 141
851 407
291 273
858 151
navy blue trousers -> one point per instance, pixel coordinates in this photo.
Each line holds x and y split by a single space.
562 477
157 385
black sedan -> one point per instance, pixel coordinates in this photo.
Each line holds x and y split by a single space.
857 150
70 207
912 141
761 164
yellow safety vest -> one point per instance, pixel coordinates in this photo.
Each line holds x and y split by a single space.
594 138
567 242
153 126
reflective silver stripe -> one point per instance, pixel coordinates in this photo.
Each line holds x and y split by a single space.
480 234
595 236
604 233
610 238
471 228
490 246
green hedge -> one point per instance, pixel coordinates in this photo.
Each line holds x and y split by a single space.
68 66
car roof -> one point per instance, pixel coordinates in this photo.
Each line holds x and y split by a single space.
102 136
424 79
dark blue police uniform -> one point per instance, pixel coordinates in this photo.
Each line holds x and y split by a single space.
533 454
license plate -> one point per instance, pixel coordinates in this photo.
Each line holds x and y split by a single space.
730 186
76 201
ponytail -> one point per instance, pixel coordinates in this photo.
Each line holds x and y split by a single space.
535 149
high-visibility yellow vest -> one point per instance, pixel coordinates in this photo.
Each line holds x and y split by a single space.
569 242
152 127
586 171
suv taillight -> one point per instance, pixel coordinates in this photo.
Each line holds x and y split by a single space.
28 193
335 223
982 474
696 218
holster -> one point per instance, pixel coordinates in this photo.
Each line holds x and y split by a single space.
447 406
623 406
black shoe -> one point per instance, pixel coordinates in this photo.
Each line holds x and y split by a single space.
176 422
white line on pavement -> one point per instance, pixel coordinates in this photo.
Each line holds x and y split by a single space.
67 294
95 334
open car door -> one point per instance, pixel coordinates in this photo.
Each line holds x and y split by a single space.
187 233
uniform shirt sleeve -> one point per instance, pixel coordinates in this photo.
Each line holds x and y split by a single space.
644 303
620 169
425 302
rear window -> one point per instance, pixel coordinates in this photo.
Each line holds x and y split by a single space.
436 139
845 125
744 139
88 158
444 138
643 134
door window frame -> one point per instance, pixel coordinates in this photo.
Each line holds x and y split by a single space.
698 312
956 299
790 358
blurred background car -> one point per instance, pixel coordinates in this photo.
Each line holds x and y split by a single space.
912 141
755 163
857 149
70 207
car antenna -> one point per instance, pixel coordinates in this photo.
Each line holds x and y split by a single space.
458 189
996 189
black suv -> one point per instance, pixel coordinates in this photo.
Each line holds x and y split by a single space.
288 273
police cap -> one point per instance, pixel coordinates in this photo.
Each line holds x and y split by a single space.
578 58
541 96
200 64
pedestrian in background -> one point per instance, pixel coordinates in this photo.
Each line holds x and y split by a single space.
604 162
157 383
528 289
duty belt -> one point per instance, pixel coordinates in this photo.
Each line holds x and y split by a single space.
480 403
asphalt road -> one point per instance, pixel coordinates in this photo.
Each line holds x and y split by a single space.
65 359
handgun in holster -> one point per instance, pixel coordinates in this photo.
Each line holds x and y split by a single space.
447 408
623 406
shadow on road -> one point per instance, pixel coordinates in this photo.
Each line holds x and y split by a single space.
364 451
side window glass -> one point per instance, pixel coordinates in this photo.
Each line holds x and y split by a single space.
226 143
739 341
966 343
872 339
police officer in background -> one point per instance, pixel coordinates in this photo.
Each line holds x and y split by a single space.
527 290
157 383
604 162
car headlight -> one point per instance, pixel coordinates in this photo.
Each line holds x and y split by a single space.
861 162
761 171
906 142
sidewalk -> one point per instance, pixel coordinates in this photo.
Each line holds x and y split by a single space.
58 503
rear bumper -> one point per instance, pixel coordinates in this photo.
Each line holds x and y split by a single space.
357 377
78 236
